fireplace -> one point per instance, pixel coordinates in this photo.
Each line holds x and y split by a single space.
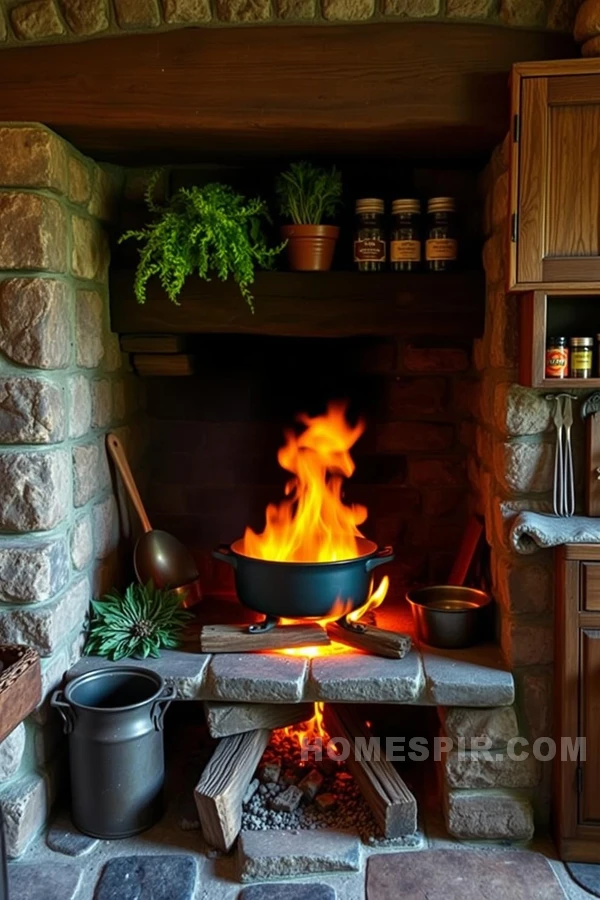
201 397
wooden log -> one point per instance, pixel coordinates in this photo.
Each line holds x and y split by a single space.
225 719
220 792
373 640
237 639
392 804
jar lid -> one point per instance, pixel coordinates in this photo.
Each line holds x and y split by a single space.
406 206
370 204
582 342
441 204
556 340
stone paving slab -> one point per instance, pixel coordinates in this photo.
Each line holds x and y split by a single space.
263 855
185 671
462 875
29 881
288 892
473 677
358 678
262 677
169 877
63 837
587 875
476 677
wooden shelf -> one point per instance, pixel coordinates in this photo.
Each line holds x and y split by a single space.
309 304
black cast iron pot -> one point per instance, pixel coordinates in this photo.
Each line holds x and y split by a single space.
297 590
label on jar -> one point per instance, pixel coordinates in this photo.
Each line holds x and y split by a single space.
557 362
369 250
441 248
581 360
405 251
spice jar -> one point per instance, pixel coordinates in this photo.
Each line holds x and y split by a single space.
369 239
557 357
405 238
581 357
441 249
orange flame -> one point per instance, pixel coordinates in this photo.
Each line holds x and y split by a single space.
309 731
313 524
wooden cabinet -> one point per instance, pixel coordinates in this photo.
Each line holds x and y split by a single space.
555 175
576 792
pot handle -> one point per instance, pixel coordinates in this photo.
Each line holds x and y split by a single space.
385 555
161 705
225 554
65 709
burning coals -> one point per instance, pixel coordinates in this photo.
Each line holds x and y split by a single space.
289 793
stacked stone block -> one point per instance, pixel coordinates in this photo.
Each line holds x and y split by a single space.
43 21
62 385
486 793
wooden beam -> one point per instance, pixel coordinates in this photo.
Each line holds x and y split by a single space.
392 804
237 639
373 640
406 89
306 304
220 792
225 719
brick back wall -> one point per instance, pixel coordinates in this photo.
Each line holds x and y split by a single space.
215 437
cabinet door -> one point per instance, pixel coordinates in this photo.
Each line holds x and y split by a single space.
556 185
589 799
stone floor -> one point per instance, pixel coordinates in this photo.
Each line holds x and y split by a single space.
170 862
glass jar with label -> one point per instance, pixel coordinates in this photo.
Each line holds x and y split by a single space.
369 238
405 237
582 352
557 358
441 248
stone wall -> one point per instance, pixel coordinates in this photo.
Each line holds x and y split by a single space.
514 471
62 386
44 21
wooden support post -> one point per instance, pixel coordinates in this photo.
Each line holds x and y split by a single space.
592 481
225 719
373 640
237 639
392 804
220 791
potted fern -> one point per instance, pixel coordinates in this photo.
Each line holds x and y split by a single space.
208 230
307 195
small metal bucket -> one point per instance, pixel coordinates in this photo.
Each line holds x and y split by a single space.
114 719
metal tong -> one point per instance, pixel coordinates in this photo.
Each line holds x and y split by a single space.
564 476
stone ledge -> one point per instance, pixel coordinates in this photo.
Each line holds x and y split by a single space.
460 679
261 857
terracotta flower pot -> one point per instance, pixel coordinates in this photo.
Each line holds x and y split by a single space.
310 247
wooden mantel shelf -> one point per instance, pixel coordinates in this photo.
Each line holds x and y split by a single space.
321 304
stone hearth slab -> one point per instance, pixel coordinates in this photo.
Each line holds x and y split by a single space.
283 854
31 881
63 837
359 678
260 677
288 892
461 875
185 671
473 677
171 877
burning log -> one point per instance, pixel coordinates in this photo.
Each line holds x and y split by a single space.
237 639
220 792
373 640
392 804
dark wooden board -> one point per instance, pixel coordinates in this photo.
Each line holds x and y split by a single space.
20 685
406 89
322 304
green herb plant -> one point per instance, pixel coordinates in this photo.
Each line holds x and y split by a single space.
208 230
308 194
140 623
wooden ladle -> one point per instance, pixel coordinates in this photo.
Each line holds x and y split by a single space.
158 556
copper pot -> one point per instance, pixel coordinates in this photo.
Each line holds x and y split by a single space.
310 247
